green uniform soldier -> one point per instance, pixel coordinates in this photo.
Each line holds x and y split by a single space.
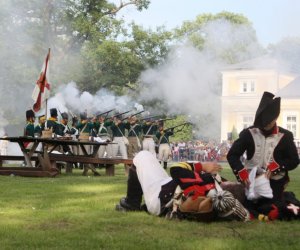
52 123
164 150
29 129
149 130
101 127
134 132
41 126
118 133
86 127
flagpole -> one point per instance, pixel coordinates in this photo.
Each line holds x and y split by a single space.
46 104
46 108
41 91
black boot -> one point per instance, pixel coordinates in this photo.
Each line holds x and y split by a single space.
165 165
132 202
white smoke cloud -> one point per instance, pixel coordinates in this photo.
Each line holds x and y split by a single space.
69 98
189 82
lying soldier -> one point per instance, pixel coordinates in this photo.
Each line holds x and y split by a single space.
192 191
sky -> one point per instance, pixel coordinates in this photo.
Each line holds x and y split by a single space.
273 20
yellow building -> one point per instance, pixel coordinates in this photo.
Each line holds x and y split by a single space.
242 87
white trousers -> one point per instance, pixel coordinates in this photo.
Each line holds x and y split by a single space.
149 145
105 151
164 152
151 176
119 146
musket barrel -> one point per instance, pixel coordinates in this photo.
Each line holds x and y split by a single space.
105 112
183 124
133 115
119 114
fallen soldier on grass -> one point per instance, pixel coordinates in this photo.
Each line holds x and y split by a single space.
194 191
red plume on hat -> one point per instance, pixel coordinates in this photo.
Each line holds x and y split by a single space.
267 111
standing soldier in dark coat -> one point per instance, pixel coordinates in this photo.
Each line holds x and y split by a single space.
85 128
134 133
164 150
29 129
118 129
41 126
101 127
63 125
64 130
84 125
149 130
52 123
270 149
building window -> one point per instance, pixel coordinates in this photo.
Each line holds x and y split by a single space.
247 86
291 124
247 121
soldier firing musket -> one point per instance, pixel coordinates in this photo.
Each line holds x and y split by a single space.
104 113
134 132
150 118
118 127
149 128
180 125
161 121
102 132
130 116
118 114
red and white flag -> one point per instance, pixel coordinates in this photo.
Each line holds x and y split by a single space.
41 90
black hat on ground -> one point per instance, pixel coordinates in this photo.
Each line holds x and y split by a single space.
267 111
65 116
53 112
29 114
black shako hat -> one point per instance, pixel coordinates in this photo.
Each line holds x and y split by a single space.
29 114
53 112
118 115
65 116
83 116
267 111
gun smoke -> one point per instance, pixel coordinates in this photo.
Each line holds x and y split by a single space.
189 82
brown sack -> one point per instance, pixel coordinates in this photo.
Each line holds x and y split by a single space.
200 205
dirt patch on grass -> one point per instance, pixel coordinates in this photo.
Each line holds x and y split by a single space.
53 225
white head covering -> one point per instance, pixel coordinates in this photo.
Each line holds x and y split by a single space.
259 186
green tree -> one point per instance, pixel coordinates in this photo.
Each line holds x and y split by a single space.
182 133
288 50
225 35
116 65
29 28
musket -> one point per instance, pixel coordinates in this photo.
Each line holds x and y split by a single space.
183 124
107 112
67 122
119 114
150 117
71 113
165 119
133 115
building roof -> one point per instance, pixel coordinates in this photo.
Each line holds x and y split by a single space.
262 63
292 90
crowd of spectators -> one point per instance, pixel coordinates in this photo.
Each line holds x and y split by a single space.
199 151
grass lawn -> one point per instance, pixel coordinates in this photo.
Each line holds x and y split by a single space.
78 212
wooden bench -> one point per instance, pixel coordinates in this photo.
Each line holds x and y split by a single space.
108 163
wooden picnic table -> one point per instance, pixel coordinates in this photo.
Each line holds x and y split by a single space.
46 157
